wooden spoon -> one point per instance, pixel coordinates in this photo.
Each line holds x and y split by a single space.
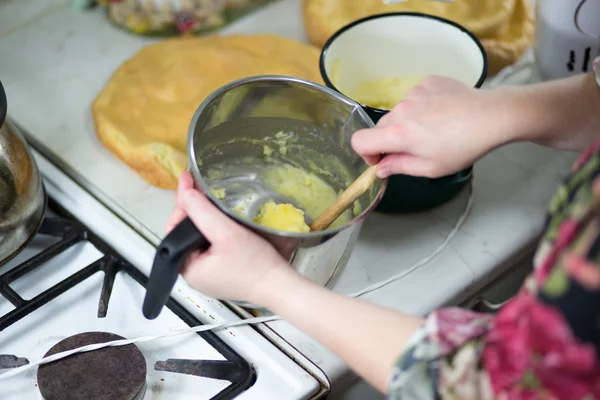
349 196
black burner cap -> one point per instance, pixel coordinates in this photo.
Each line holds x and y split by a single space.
112 373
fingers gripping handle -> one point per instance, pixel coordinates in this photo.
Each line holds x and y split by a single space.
169 260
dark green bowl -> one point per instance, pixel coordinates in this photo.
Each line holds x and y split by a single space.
406 193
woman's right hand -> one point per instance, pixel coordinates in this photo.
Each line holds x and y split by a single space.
441 127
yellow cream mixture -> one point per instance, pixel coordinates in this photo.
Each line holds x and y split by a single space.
385 92
219 193
283 217
281 141
312 193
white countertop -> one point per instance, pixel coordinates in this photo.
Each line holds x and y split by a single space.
53 64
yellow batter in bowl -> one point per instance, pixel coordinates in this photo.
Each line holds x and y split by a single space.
386 92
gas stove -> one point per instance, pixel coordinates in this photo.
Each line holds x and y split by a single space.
71 283
70 287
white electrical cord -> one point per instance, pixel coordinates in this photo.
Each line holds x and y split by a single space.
250 321
427 259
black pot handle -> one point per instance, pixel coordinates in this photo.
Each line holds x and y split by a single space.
3 104
169 260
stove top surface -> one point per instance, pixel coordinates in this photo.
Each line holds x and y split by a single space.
67 289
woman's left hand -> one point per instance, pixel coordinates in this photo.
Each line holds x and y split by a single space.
239 265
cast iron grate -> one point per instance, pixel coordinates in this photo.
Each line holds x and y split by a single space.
69 231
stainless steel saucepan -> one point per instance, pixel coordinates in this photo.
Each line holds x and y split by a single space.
243 133
22 195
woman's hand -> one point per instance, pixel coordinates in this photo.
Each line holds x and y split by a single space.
443 126
440 128
239 265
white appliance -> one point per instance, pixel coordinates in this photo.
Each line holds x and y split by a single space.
567 37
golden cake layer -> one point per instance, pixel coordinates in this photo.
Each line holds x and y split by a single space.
144 112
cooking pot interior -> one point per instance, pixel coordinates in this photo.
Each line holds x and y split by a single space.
285 144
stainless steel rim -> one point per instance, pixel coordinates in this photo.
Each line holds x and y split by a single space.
195 170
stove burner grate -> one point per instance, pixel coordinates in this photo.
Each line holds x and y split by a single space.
11 361
223 370
235 369
112 373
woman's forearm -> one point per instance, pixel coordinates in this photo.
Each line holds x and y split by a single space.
562 114
367 337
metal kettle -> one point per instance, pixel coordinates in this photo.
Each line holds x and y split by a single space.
22 194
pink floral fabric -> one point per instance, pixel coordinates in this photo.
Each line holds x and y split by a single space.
545 342
532 353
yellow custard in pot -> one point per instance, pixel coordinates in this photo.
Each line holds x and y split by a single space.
219 193
283 217
385 92
309 191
